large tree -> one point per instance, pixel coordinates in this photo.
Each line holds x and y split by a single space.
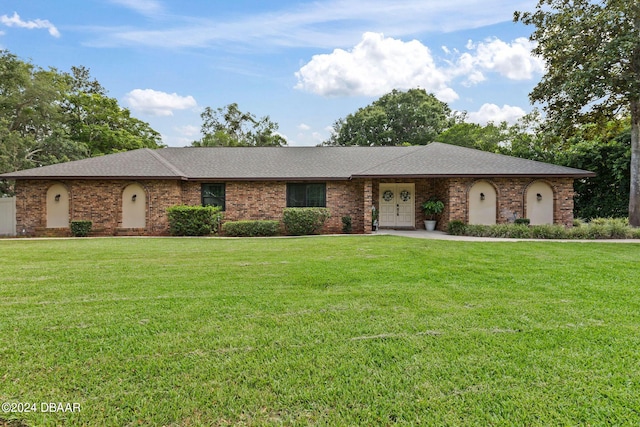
98 122
413 117
48 116
592 52
230 127
50 111
32 129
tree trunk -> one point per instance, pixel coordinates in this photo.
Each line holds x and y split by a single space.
634 191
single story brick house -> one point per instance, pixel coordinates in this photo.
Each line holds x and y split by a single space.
128 193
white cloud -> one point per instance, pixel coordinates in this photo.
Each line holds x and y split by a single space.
16 21
304 127
374 67
511 60
158 103
493 113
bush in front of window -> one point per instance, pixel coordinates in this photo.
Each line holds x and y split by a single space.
303 221
194 220
80 228
245 228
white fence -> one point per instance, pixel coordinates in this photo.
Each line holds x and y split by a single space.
7 216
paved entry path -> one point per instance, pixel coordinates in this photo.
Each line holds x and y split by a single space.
439 235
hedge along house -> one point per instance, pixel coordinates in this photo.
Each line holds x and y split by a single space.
128 193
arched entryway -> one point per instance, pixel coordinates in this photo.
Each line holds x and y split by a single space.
57 206
134 206
482 203
539 199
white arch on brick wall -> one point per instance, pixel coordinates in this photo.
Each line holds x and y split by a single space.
57 205
540 203
483 203
134 206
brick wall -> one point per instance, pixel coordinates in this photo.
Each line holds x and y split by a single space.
101 202
511 198
256 200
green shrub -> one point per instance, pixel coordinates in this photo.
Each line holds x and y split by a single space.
599 228
80 228
302 221
597 231
512 231
580 233
499 230
476 230
598 221
194 220
618 230
456 228
548 231
522 221
610 221
259 228
347 226
519 231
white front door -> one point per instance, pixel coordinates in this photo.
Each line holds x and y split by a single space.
397 205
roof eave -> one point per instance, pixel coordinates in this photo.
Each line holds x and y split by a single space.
269 178
92 178
504 175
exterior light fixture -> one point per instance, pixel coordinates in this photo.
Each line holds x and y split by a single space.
539 196
57 198
134 197
481 196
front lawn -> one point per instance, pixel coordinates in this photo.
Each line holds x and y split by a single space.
348 330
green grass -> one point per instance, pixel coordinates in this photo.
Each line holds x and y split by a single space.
352 330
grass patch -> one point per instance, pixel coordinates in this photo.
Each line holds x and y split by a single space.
350 330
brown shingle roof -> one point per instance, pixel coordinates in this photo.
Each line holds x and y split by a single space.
142 163
299 163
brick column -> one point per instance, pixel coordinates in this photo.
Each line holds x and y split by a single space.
563 206
367 205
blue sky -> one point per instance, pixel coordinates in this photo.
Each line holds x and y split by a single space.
303 63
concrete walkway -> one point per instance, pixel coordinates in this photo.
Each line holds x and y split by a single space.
439 235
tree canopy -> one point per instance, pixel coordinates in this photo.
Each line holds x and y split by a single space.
48 116
229 127
414 117
592 52
472 135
